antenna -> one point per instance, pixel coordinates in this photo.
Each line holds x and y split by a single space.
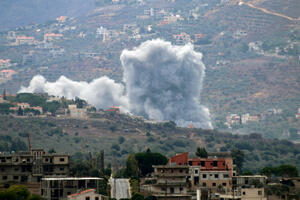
28 138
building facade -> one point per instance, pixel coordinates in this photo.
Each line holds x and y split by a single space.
31 166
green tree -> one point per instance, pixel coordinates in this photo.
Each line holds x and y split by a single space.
132 168
137 196
238 158
147 159
201 152
21 191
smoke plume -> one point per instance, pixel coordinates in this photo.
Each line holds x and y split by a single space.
162 82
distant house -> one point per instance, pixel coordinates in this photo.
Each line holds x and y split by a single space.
115 109
52 36
24 40
87 194
4 63
182 38
75 112
198 36
6 74
61 19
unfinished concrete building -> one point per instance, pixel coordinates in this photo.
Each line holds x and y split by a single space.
31 166
61 188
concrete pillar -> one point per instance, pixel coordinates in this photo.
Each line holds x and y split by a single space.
198 194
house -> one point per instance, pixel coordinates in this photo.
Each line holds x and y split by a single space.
4 63
114 109
24 40
87 194
52 36
63 187
170 182
61 19
79 113
6 74
211 172
31 166
182 38
198 36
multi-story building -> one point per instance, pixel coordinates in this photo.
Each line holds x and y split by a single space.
31 166
171 182
61 188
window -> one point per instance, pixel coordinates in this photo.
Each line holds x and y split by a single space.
17 159
96 198
214 184
16 169
28 159
87 198
224 184
16 177
190 163
4 177
180 170
203 175
179 163
199 163
202 163
171 190
216 175
244 193
204 184
163 189
215 163
61 169
181 188
62 159
172 171
46 159
225 175
259 192
196 171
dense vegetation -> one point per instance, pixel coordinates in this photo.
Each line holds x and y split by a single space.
18 192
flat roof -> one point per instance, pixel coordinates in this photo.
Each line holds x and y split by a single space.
71 179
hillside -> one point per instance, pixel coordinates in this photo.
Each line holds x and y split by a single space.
251 51
119 135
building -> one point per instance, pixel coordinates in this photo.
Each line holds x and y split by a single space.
6 75
24 40
75 112
48 37
31 166
182 38
114 109
87 194
170 182
61 19
63 188
5 63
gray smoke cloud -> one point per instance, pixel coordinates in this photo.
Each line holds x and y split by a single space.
162 82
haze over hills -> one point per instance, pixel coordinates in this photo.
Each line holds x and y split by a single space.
16 13
250 50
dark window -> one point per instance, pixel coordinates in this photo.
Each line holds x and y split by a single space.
196 171
181 188
214 184
172 171
87 198
259 193
202 163
215 163
203 175
62 159
199 163
46 159
225 175
4 177
28 159
204 184
190 163
17 159
171 190
16 177
244 193
246 181
163 189
62 169
179 163
224 184
223 163
180 170
96 198
216 175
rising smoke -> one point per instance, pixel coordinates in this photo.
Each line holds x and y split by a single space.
162 82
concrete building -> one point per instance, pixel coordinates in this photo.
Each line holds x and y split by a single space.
171 182
24 40
31 166
63 188
87 194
